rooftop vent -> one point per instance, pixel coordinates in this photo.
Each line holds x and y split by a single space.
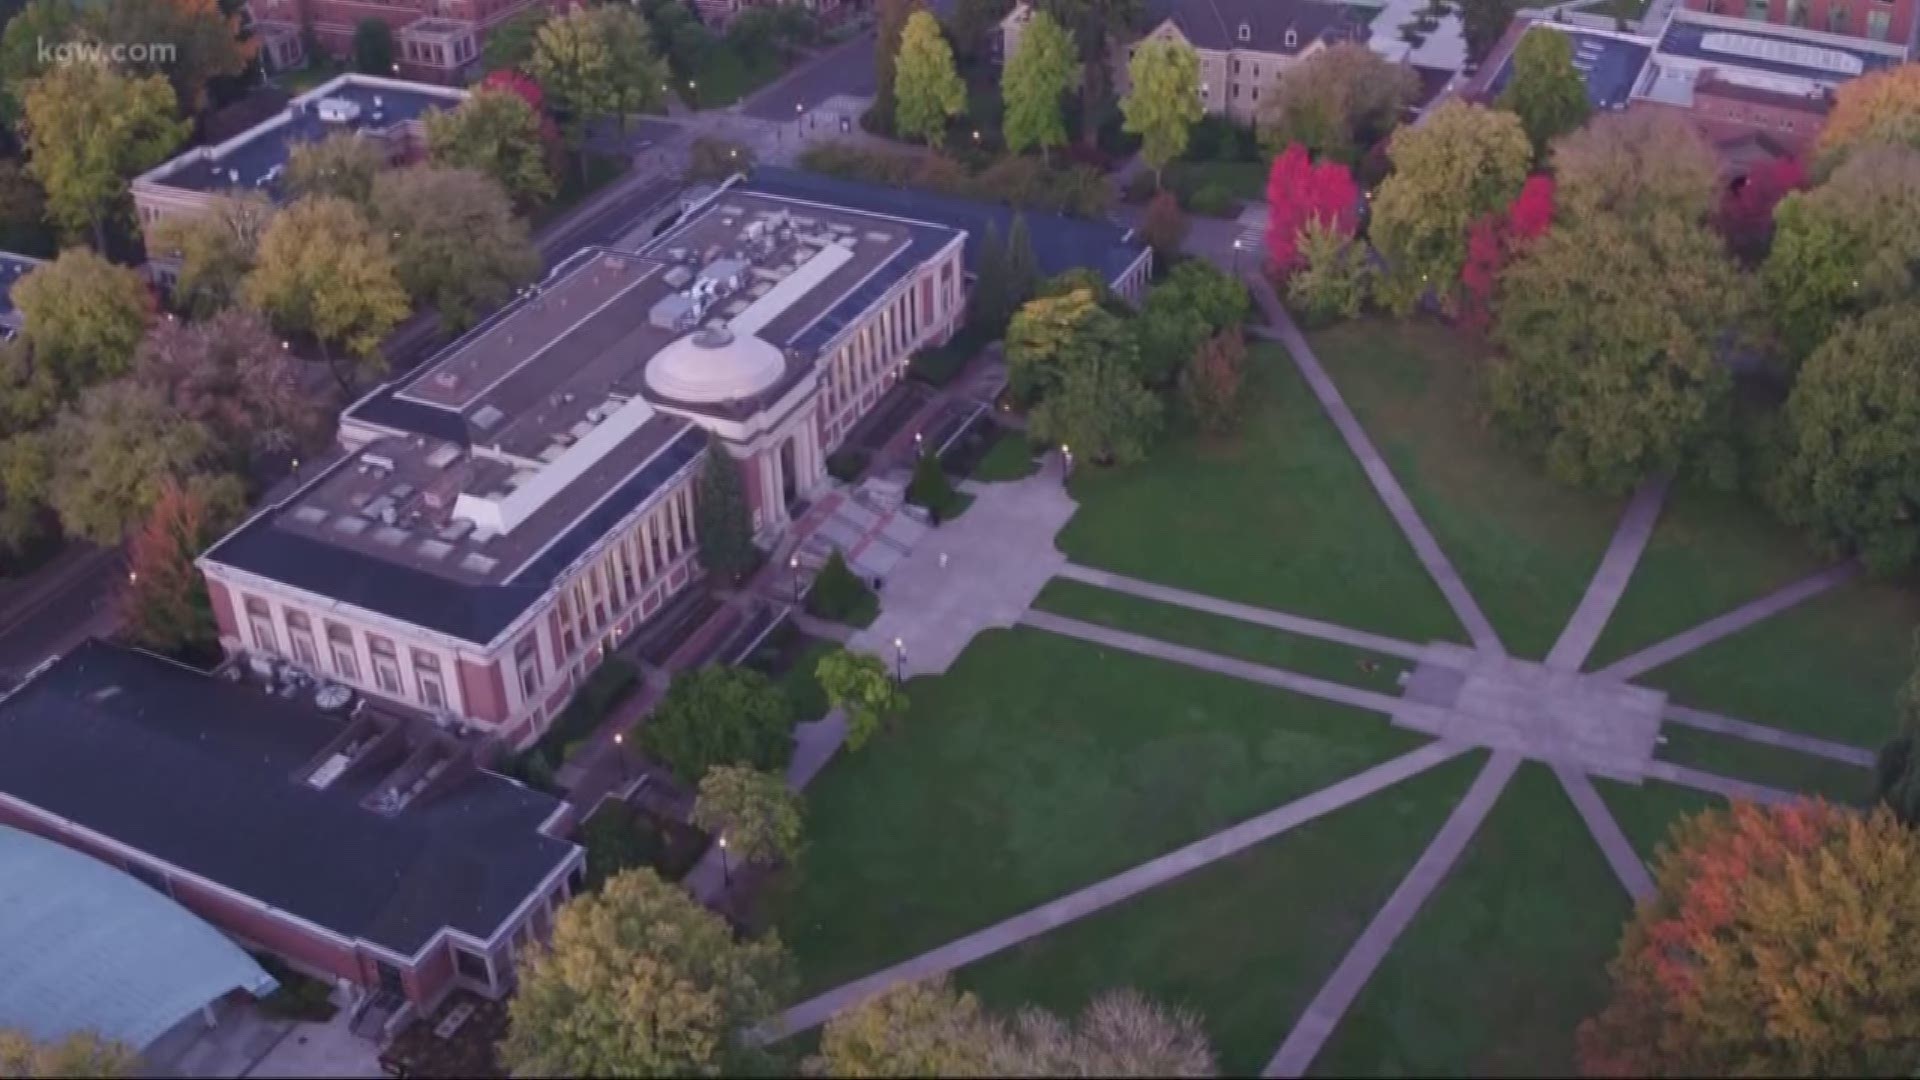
335 110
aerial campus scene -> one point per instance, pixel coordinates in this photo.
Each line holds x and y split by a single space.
959 538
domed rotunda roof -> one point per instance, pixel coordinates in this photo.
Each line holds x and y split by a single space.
712 365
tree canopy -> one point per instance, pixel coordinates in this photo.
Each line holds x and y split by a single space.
1043 67
721 517
927 91
720 716
83 1053
496 132
323 271
213 249
88 131
891 20
640 980
83 317
1101 410
206 38
1637 164
455 241
1301 192
1163 103
859 685
373 47
233 374
1337 102
1051 335
113 455
1782 941
342 165
1545 90
759 815
164 603
1096 26
597 63
1880 108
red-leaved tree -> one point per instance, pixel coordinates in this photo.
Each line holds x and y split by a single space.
163 603
515 82
1299 191
1492 242
1210 384
1745 217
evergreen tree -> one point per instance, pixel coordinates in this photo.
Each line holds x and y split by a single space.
991 306
373 48
1022 266
721 517
929 487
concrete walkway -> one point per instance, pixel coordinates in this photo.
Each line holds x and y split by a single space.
1760 733
1713 783
1280 678
1732 622
1104 894
1337 994
1626 862
815 744
1277 620
1610 581
1465 608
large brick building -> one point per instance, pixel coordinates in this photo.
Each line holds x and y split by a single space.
518 505
1875 20
437 41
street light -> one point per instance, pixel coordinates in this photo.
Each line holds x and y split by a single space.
620 751
726 872
1236 256
899 661
793 567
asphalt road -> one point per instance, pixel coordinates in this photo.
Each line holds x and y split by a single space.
57 608
847 68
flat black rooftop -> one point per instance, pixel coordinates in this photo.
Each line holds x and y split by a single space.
248 159
204 774
1829 59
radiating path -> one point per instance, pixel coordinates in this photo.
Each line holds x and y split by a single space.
1337 994
1626 862
1465 608
1277 620
1731 623
1280 678
1760 733
1610 580
1715 784
1103 894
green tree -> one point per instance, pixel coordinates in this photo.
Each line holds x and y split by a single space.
1880 108
1639 164
915 1029
213 250
343 165
639 980
716 159
456 243
1052 335
927 91
1845 247
1163 103
24 57
720 716
494 132
597 63
860 686
838 596
1101 410
929 488
1852 468
1897 768
1781 941
205 37
1545 91
323 271
1460 163
26 480
1612 332
88 131
114 454
81 1054
1334 277
373 47
721 518
1482 22
974 24
1096 25
1021 268
1337 102
83 317
1195 302
892 25
1043 68
509 46
760 816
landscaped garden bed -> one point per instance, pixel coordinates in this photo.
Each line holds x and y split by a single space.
621 837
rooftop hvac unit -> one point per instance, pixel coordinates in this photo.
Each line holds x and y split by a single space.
675 312
339 110
377 461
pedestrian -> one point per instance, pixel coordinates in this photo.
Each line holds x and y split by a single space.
943 560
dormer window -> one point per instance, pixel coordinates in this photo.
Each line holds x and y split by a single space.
1293 39
1246 32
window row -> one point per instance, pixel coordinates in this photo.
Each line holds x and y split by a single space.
427 682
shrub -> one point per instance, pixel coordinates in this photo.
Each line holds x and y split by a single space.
930 488
838 596
717 159
1016 181
1165 226
610 682
847 464
1140 186
938 366
1213 200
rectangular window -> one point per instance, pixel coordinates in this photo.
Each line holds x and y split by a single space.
340 643
1837 19
300 639
386 664
1758 9
472 965
1797 12
1879 24
260 620
426 673
526 658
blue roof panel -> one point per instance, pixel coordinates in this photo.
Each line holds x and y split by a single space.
1610 66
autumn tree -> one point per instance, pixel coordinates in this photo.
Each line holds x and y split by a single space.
1782 941
1211 383
1337 102
81 1054
324 272
206 39
213 250
927 90
1637 164
1163 103
509 45
1101 410
1164 225
1481 24
640 980
83 317
1844 247
163 603
497 133
25 47
722 520
88 131
597 63
114 453
1052 335
1880 108
1495 240
759 815
1612 332
891 20
720 716
343 165
861 687
1096 25
1334 277
1043 67
1299 193
1896 773
1545 90
26 480
234 375
455 241
1462 162
1745 216
1193 303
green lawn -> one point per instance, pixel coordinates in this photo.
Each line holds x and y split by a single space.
1244 943
1039 764
1646 812
1710 553
1770 765
1525 544
1828 667
1504 961
1218 634
1280 516
1009 458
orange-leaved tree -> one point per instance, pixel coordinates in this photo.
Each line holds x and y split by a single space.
164 600
1782 941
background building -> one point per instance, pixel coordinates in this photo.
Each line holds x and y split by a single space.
438 41
1875 20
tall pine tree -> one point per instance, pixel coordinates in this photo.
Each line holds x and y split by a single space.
721 517
1022 267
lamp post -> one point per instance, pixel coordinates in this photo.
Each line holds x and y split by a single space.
1066 458
799 111
899 661
726 872
793 567
620 751
1237 243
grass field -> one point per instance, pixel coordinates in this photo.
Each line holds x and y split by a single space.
1525 544
1009 458
1646 812
1036 765
1770 765
1504 961
1246 942
1280 516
